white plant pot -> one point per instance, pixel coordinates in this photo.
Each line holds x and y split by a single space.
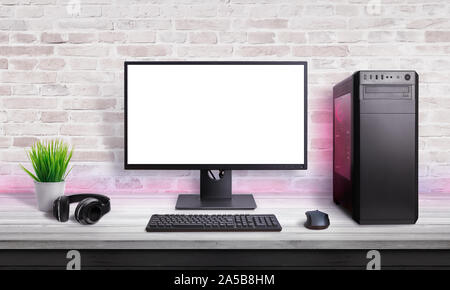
47 192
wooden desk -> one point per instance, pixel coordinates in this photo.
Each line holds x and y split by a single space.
28 232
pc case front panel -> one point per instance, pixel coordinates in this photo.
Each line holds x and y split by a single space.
387 168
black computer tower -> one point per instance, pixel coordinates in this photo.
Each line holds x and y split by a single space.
375 146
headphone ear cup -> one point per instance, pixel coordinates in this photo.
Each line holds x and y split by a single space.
88 211
61 208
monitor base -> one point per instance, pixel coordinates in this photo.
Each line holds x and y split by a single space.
237 201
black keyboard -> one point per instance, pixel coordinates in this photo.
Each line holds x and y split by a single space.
213 223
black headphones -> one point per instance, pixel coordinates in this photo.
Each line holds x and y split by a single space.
90 209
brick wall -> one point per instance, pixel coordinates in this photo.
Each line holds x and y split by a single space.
61 65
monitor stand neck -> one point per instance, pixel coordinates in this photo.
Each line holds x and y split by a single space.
215 194
218 188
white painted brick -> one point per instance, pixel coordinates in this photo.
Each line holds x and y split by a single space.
51 64
31 77
147 50
325 63
14 156
22 116
197 24
86 77
150 24
381 36
440 170
82 38
348 10
29 103
41 2
25 50
85 90
23 38
83 63
290 10
113 117
54 116
319 10
321 37
266 11
374 50
142 36
232 37
260 24
4 37
112 37
86 130
200 11
437 36
103 24
36 129
328 50
54 90
255 51
202 37
25 89
113 142
93 156
24 141
6 11
228 11
437 143
172 37
3 116
84 142
83 51
13 25
205 51
350 36
317 23
430 23
23 64
3 63
111 64
90 10
114 90
410 36
39 24
89 104
47 37
85 116
29 12
372 23
434 10
261 37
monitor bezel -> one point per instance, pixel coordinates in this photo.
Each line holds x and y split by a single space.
302 166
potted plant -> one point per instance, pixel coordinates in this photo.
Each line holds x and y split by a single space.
50 160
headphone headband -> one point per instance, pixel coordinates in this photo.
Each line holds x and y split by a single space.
79 197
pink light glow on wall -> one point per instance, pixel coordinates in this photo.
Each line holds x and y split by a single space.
110 177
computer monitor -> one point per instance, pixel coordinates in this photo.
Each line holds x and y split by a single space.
230 115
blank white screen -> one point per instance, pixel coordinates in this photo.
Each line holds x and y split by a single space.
215 114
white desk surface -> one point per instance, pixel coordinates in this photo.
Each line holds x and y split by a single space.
22 226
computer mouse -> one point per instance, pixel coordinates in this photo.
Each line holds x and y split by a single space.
317 220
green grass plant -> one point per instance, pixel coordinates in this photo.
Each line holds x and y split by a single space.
50 160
